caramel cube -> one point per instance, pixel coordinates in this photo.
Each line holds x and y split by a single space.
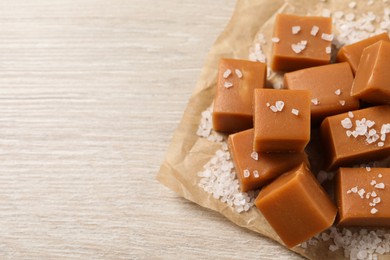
357 137
237 79
362 196
282 120
372 81
296 206
352 53
257 169
330 87
300 42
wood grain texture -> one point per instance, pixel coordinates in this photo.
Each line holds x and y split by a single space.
91 92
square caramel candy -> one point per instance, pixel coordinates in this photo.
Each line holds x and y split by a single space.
257 169
356 137
281 120
363 196
296 206
300 42
372 81
237 79
330 87
352 53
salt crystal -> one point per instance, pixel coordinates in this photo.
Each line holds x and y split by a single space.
328 50
295 29
370 123
315 101
247 173
383 137
279 105
274 109
342 102
227 73
376 200
346 123
255 156
228 84
275 39
256 174
373 211
361 193
373 182
268 104
350 17
327 37
295 111
380 185
348 133
379 175
354 189
296 48
338 92
368 168
373 194
350 114
238 73
314 30
380 144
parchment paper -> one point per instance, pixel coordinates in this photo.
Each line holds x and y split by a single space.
188 153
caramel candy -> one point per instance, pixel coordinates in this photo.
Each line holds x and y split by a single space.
301 42
233 111
372 81
257 169
282 120
352 53
296 206
330 87
357 137
363 196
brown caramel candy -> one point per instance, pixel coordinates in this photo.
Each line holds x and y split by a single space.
330 87
372 81
352 53
301 42
233 111
282 120
363 196
357 137
296 206
257 169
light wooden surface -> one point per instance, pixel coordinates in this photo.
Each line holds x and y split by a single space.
90 94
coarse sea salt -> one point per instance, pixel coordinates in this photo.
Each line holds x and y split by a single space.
295 29
275 39
205 128
314 30
238 73
295 111
228 84
227 73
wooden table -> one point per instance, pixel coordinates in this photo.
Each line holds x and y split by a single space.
91 92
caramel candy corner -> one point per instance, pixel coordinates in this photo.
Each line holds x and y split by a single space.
372 81
330 87
236 81
281 120
356 137
296 206
301 42
363 196
352 53
254 170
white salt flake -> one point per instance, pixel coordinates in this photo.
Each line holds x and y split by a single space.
346 123
354 189
295 111
247 173
268 104
373 211
328 50
350 17
380 185
255 156
314 30
342 102
380 144
327 37
370 123
373 182
238 73
373 194
275 39
297 48
368 168
274 109
338 92
295 29
376 200
361 193
350 114
256 174
279 105
315 101
380 175
228 84
227 73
